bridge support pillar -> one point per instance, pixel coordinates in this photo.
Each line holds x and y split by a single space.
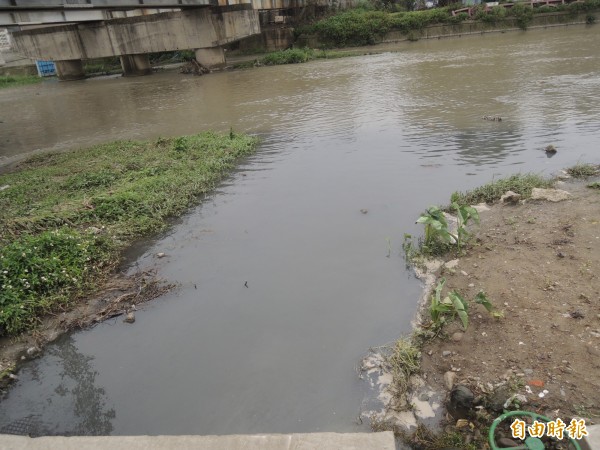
70 70
211 57
135 65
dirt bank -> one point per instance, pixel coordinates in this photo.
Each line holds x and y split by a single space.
538 262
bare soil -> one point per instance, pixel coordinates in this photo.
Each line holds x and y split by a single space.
538 262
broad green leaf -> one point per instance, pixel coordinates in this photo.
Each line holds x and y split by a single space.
459 306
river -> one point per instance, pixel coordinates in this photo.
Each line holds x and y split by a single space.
390 133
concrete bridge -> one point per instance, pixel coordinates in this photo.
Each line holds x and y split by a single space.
70 31
202 28
33 12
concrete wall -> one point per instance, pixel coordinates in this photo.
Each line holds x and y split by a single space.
189 29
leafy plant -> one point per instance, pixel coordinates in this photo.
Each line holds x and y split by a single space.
594 185
437 230
436 227
453 304
464 215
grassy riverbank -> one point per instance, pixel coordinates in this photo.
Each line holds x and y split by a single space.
296 56
66 217
368 25
17 80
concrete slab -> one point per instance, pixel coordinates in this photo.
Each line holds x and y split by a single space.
592 441
325 441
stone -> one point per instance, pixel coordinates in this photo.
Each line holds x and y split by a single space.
498 399
481 207
551 195
507 443
461 402
449 379
510 197
446 353
577 314
451 264
6 186
130 317
364 211
457 337
160 255
592 350
32 351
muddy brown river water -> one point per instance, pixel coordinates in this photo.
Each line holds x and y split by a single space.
391 133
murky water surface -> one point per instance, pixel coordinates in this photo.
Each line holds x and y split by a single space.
390 133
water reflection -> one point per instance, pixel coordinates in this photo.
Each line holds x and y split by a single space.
77 407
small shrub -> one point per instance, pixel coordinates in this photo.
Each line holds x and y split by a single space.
353 28
289 56
523 15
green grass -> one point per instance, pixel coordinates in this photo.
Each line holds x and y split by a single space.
289 56
583 171
366 25
66 217
18 80
521 184
295 56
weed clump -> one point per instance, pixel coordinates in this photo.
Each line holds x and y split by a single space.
404 361
522 184
583 170
289 56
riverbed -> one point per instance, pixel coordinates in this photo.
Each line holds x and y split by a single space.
283 282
